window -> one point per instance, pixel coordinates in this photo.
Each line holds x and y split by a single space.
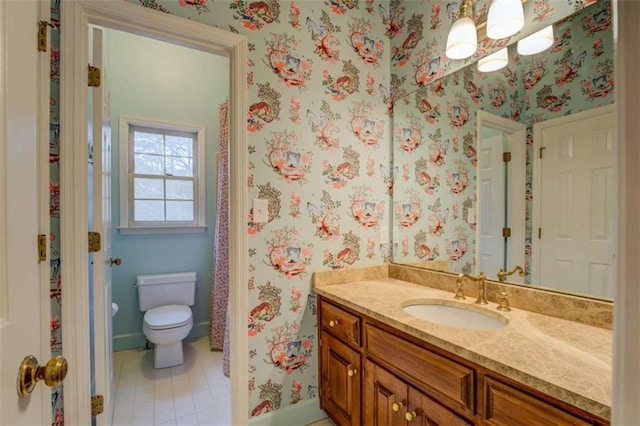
161 177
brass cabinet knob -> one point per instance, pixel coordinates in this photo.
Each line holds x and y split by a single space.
333 323
115 261
410 415
397 406
30 373
352 372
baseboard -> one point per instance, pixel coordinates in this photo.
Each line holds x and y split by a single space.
137 340
302 413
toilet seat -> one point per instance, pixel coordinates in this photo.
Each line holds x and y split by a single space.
167 317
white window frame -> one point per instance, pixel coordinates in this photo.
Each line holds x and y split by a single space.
127 224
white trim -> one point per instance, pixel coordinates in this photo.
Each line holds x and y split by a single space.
538 128
77 14
626 341
127 225
517 183
144 230
44 219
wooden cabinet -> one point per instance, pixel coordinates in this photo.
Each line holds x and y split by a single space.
340 379
373 374
389 401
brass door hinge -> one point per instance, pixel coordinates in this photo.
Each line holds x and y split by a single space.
506 232
539 233
42 247
506 157
97 404
42 41
542 148
94 242
94 76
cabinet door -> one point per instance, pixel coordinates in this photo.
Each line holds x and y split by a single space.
424 411
340 376
384 397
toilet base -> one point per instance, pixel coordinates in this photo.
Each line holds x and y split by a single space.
168 355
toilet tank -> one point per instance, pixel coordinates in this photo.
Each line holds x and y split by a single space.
166 289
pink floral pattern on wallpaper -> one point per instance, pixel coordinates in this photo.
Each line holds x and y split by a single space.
326 65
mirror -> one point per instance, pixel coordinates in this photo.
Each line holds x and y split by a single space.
453 195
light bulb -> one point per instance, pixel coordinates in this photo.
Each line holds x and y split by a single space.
462 41
536 42
505 18
494 62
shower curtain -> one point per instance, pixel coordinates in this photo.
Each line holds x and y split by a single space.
219 320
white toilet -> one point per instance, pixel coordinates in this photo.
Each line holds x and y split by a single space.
165 299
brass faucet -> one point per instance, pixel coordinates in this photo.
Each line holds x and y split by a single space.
502 275
482 295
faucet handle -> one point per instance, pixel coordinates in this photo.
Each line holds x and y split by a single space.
503 304
459 295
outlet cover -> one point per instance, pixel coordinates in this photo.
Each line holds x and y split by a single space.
260 210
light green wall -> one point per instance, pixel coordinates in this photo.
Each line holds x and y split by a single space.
161 81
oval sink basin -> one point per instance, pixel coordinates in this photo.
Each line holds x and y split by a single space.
458 315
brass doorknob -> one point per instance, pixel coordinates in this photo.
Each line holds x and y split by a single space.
115 261
30 373
397 406
410 415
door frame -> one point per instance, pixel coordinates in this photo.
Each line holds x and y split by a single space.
77 15
516 177
536 216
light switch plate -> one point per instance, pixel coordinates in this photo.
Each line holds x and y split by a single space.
384 235
260 210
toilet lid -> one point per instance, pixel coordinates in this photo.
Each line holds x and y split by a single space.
170 316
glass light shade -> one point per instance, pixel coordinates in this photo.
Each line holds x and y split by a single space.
505 18
462 41
536 42
494 62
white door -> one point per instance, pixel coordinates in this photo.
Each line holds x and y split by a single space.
576 206
492 204
100 130
24 281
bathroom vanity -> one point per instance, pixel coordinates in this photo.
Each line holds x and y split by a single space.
382 365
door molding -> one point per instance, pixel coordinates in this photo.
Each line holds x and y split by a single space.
77 15
517 179
538 128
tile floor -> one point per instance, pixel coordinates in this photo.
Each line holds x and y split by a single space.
195 393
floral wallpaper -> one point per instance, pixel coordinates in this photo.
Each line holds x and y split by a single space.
418 32
434 157
321 78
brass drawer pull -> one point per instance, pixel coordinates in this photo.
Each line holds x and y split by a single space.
410 415
397 406
333 323
352 372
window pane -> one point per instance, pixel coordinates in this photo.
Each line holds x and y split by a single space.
148 164
148 188
179 146
179 189
179 166
148 210
180 210
148 143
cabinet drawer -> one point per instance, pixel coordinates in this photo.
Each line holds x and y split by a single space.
508 406
340 323
441 376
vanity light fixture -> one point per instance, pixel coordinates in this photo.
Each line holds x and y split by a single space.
462 40
536 42
495 61
505 18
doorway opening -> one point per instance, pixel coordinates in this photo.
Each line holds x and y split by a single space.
78 15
